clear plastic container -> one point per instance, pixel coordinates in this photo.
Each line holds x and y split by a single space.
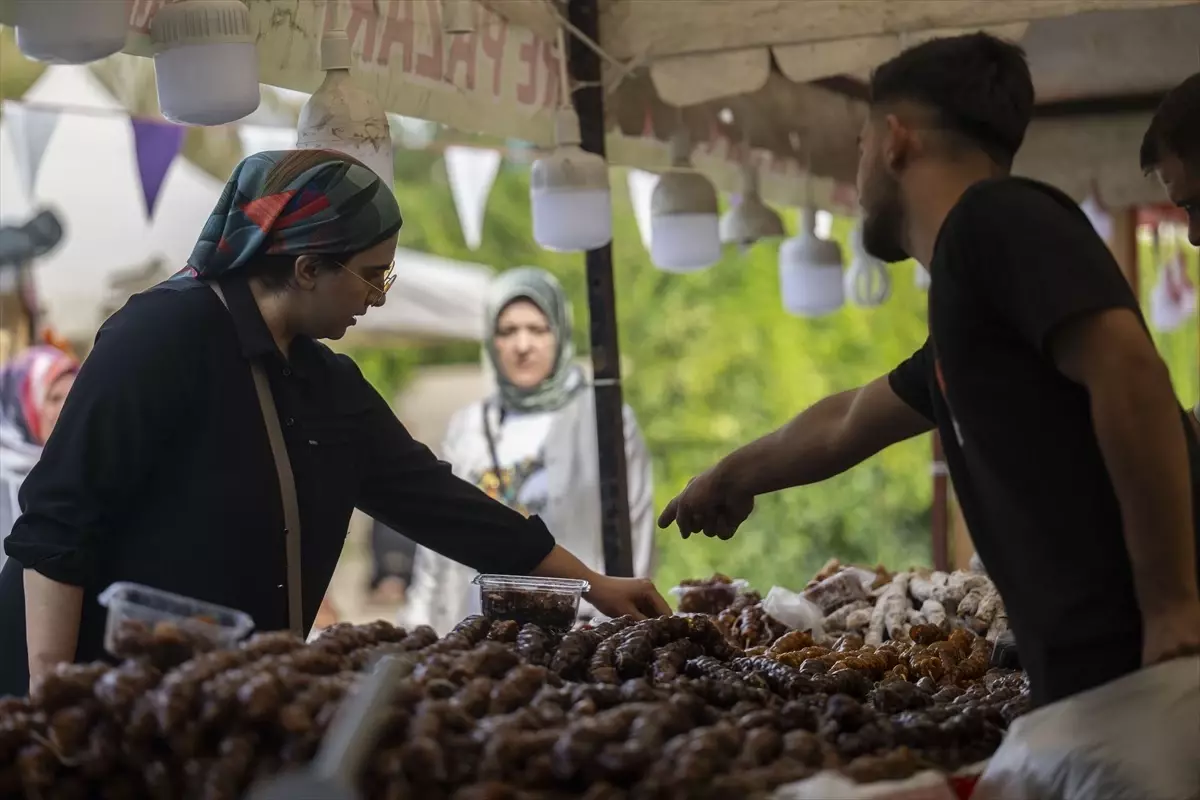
550 603
711 597
134 608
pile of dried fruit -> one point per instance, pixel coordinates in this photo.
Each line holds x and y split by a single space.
665 708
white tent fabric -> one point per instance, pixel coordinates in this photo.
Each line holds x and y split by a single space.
432 297
89 178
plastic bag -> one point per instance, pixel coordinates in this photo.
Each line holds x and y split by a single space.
794 611
838 590
1136 738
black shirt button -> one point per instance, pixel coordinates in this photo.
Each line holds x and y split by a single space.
290 422
287 372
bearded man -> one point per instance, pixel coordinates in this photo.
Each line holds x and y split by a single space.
1064 439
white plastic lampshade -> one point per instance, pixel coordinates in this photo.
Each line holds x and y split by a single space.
684 229
458 16
922 278
810 273
71 31
205 61
868 283
341 115
570 194
685 242
751 219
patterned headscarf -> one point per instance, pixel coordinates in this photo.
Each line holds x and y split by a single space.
332 206
24 385
565 378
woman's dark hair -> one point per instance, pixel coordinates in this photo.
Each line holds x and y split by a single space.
978 85
276 271
1175 127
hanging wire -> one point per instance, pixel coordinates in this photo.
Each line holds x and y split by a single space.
622 70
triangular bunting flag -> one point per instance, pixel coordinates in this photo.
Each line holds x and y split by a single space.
641 189
472 172
157 144
30 130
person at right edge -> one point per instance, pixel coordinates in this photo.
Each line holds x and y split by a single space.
1171 151
1069 452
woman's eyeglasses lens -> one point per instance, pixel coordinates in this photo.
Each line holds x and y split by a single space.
377 294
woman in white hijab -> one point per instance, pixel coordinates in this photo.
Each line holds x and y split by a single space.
532 445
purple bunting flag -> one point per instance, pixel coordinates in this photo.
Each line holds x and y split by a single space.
157 144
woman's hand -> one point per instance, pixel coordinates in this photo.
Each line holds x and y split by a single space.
617 597
613 597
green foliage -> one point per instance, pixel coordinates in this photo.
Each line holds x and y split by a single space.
711 361
1180 348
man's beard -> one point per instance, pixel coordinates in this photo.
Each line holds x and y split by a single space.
883 228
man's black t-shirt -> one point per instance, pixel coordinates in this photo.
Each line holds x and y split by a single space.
1014 260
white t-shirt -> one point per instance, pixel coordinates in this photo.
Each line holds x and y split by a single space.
523 483
520 448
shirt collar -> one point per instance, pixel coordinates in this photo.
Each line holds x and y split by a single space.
252 331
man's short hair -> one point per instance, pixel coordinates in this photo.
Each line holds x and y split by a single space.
1175 128
978 85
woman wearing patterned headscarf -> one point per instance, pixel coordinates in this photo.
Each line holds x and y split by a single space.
532 445
215 449
33 387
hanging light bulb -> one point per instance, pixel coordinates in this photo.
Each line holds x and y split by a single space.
750 219
810 272
341 115
1101 220
458 16
868 283
684 230
921 277
205 61
71 31
569 191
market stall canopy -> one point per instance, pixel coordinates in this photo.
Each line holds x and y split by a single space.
783 76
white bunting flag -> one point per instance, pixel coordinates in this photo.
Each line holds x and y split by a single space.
641 189
472 173
30 130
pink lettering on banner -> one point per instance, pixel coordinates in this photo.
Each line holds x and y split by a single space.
492 41
399 28
141 12
430 65
528 53
462 52
361 16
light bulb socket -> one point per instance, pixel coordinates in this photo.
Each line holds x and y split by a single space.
569 168
189 22
683 192
566 127
458 17
750 221
335 50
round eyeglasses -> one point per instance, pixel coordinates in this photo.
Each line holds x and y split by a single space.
377 295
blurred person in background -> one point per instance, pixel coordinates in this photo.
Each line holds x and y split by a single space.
33 388
1171 152
532 446
391 565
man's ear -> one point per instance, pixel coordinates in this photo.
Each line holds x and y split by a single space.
306 271
898 143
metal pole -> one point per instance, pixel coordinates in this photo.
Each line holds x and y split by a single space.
584 66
